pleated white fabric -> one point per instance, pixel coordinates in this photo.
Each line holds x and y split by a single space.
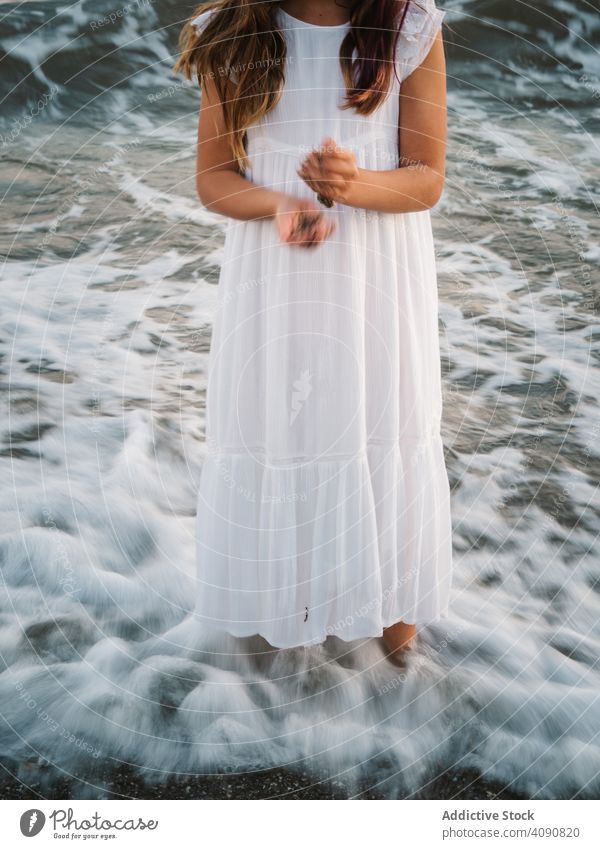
323 505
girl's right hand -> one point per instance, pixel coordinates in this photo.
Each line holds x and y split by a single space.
302 222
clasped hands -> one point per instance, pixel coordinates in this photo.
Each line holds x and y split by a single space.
329 171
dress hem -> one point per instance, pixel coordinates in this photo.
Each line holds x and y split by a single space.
319 640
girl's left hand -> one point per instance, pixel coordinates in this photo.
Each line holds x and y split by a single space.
330 171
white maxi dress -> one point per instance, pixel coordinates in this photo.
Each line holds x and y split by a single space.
323 504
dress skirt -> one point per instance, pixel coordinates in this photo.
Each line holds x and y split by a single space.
323 503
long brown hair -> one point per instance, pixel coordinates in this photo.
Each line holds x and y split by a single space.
243 50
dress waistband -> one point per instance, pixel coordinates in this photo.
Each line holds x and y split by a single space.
263 141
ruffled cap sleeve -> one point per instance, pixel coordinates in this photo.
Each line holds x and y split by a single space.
419 29
201 20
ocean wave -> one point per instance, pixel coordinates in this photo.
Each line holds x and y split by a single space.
81 55
86 51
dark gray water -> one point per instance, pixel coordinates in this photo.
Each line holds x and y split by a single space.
109 272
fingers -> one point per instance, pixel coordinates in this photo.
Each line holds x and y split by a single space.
327 165
310 228
314 178
317 186
323 168
330 148
306 222
303 223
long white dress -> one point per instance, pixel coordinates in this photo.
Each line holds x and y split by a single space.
323 504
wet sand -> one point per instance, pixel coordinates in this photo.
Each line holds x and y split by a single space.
123 783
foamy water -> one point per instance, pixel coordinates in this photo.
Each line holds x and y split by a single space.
107 297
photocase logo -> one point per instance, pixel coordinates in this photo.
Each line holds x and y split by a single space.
302 389
32 822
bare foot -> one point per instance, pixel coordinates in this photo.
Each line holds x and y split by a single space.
398 639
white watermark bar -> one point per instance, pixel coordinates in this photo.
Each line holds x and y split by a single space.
262 824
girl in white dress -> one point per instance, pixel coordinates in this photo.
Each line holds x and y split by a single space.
323 505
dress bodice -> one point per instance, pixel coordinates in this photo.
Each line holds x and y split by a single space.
310 107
